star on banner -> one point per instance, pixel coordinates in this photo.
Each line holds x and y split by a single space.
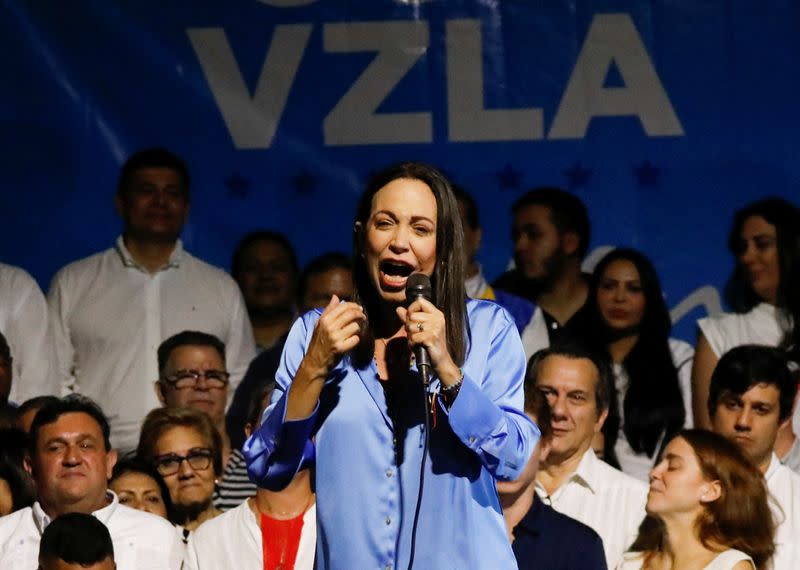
304 183
238 186
509 178
577 176
646 174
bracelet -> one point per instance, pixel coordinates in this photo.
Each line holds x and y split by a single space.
451 391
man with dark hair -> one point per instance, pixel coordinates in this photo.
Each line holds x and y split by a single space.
476 285
551 233
111 310
76 541
543 537
192 373
327 275
23 322
265 267
577 384
71 461
750 396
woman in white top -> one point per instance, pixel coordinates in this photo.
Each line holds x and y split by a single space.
764 290
706 510
626 317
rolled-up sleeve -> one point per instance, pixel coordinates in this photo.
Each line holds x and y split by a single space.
278 448
487 415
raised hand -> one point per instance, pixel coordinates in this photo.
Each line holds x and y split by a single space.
425 325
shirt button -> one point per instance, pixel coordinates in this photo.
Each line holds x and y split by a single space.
472 439
387 567
389 472
388 521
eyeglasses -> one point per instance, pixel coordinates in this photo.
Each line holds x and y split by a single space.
183 379
170 463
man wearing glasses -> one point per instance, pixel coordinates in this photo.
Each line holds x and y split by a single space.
192 373
110 311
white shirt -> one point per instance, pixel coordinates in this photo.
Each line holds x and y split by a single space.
23 321
784 486
723 561
141 541
233 539
606 499
639 464
758 326
109 316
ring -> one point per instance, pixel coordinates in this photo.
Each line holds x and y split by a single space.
420 328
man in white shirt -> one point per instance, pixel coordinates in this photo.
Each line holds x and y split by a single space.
23 321
573 480
750 396
110 311
71 460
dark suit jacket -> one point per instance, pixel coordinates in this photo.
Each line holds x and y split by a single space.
547 539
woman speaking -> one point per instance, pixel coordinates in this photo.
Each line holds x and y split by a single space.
350 397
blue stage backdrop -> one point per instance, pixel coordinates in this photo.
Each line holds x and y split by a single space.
664 117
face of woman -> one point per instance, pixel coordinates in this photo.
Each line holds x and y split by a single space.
139 491
400 236
620 297
193 482
759 257
677 484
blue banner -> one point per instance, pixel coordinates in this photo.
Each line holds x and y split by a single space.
664 117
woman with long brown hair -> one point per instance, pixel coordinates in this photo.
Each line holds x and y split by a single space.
707 509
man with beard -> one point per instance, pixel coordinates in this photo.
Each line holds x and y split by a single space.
551 236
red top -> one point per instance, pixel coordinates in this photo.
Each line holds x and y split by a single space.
280 539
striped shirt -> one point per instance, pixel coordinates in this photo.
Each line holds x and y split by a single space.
235 486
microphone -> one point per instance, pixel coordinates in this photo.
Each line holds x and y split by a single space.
418 286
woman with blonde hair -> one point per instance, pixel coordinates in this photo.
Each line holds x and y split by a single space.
707 509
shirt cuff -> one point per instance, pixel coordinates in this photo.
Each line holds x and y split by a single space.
473 416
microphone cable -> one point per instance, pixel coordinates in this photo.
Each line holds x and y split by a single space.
425 375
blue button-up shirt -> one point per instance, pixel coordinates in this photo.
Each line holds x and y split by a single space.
368 458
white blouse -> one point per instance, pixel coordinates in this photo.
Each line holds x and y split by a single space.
723 561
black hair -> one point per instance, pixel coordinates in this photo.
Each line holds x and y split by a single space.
76 538
34 403
255 407
785 217
258 236
323 264
155 157
187 338
470 206
447 280
74 403
567 211
574 349
653 407
137 465
13 450
747 365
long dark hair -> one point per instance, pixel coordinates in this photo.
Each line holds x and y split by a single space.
653 406
448 276
740 518
739 293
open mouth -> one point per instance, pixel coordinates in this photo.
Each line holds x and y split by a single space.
394 273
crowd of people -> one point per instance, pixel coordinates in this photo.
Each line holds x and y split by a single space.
160 413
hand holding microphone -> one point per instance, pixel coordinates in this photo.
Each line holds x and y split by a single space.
426 331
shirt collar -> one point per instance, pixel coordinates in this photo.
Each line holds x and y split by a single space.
175 257
774 465
41 519
587 473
